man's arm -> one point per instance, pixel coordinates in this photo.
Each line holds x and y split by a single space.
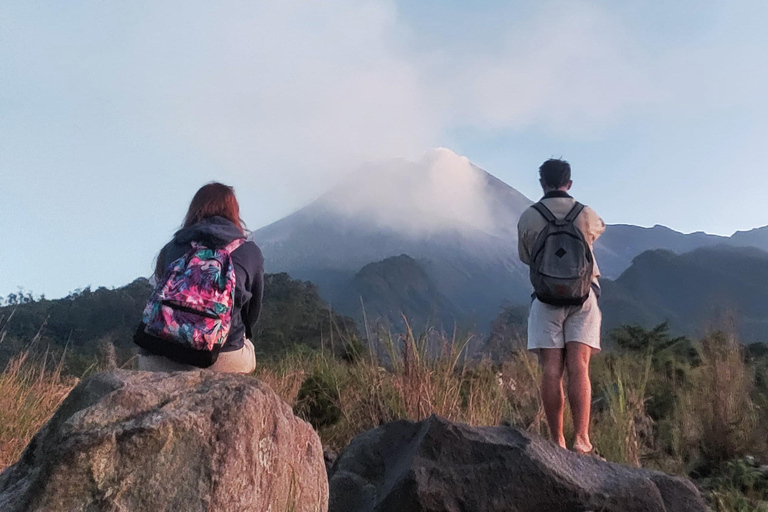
595 223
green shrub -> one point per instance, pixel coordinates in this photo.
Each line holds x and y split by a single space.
317 401
738 485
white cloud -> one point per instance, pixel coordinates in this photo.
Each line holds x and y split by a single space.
303 90
284 97
439 191
312 88
293 89
572 70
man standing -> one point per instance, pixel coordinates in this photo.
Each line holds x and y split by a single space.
555 238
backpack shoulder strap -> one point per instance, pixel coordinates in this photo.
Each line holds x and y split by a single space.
544 211
575 211
234 244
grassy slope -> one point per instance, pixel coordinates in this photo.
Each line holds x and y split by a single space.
698 414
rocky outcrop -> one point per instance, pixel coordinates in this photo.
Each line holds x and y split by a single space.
436 465
191 441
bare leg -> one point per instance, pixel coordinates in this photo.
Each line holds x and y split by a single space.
553 364
577 357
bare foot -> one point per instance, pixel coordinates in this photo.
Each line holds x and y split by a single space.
583 450
587 449
583 446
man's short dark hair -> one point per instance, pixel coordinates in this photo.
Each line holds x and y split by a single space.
555 173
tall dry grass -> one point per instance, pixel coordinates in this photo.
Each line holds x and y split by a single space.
712 417
410 380
30 391
620 423
719 419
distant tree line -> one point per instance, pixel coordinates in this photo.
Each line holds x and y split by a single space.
89 323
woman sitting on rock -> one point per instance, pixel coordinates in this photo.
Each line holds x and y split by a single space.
209 282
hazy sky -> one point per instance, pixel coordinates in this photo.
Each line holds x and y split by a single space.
113 113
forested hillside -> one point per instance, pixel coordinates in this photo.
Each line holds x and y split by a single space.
719 288
712 288
396 288
709 288
100 323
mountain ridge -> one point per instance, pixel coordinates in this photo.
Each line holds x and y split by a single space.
455 219
470 254
715 287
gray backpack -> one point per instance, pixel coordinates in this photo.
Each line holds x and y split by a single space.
561 261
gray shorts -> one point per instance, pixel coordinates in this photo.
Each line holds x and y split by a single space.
554 326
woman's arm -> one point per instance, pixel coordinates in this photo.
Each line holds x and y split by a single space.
257 295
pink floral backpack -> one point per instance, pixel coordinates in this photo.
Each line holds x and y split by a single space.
189 315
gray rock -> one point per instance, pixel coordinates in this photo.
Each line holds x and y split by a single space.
436 465
330 457
185 441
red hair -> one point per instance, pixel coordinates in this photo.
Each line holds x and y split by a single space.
214 200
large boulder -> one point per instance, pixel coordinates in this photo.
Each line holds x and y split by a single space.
186 441
436 465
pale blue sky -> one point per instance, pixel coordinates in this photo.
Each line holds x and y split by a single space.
113 113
